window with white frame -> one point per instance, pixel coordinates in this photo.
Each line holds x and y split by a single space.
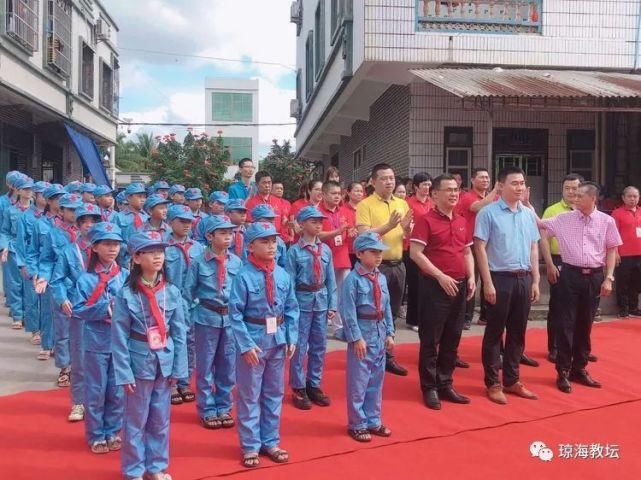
336 14
319 29
581 145
115 66
106 86
358 157
58 32
309 65
21 23
458 152
87 70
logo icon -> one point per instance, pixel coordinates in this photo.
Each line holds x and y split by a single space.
540 450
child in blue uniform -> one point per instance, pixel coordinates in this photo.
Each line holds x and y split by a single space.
237 213
181 253
368 327
156 207
121 202
309 262
265 213
87 192
264 317
74 187
194 199
72 262
208 285
149 352
104 195
160 188
94 298
177 194
132 220
217 202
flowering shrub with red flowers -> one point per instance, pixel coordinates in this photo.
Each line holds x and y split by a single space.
281 163
198 161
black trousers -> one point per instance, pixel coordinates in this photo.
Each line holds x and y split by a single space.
394 272
471 303
439 333
580 300
413 291
553 307
628 278
509 314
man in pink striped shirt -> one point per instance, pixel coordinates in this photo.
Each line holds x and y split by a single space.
588 241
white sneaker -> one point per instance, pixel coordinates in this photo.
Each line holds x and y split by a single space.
77 413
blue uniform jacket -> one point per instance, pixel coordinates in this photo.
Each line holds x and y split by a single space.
40 231
108 215
25 239
176 267
71 263
198 232
232 247
96 318
133 358
247 299
202 287
358 297
300 265
52 246
9 227
5 203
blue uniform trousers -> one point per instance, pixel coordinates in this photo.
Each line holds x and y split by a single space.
259 399
14 288
61 336
312 342
77 361
46 320
31 303
365 386
215 370
191 350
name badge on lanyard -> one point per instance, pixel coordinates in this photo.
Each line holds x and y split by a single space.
638 232
271 325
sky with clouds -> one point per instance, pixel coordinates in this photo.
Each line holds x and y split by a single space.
170 88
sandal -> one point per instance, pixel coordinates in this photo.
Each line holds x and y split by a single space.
227 421
176 398
64 379
186 394
44 355
250 460
211 423
276 455
16 325
99 447
380 431
35 338
361 435
114 443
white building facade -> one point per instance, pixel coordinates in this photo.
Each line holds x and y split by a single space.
58 69
427 85
231 111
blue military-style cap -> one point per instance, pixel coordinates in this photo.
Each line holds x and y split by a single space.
53 190
12 176
308 212
134 188
23 183
102 190
193 194
235 204
105 231
153 201
40 187
176 189
219 196
263 211
73 187
217 222
88 210
160 185
260 230
88 188
145 241
369 241
180 211
71 200
122 198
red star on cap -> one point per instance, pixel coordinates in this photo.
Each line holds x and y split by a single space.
226 218
265 225
154 235
90 207
185 208
109 228
73 197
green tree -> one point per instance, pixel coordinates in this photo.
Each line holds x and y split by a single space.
145 146
281 163
199 161
128 157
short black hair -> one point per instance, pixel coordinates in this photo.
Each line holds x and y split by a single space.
573 177
330 184
378 167
505 171
262 174
593 188
477 170
243 161
276 181
443 177
420 178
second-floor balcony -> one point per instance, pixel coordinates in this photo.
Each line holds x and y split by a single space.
479 16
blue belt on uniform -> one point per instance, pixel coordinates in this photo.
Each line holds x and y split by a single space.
209 305
314 287
261 321
378 316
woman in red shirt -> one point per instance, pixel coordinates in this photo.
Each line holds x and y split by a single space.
355 192
313 194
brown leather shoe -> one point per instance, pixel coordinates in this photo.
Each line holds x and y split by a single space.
496 395
519 390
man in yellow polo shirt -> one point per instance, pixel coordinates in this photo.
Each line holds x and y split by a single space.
552 257
391 218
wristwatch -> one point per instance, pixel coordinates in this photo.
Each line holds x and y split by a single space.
610 277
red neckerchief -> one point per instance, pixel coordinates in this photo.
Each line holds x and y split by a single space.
373 277
37 212
137 219
238 241
21 208
148 227
183 247
316 255
85 247
105 213
158 316
268 271
103 278
71 230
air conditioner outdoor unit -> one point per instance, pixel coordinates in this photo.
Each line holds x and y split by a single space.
296 12
102 30
294 108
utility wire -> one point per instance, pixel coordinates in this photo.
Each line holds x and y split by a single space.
169 124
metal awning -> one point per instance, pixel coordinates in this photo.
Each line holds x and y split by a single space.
561 87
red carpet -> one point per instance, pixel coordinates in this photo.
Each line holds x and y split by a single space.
472 441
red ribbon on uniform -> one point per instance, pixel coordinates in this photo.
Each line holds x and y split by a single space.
268 270
150 293
103 279
317 261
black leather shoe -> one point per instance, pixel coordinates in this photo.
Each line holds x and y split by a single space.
635 312
552 357
453 396
461 363
301 400
623 313
563 383
467 325
430 398
592 358
530 362
584 378
317 396
394 368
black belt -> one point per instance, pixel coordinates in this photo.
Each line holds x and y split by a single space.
261 321
370 316
512 273
209 305
314 287
392 263
138 336
584 270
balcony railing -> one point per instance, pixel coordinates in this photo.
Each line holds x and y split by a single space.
481 16
21 21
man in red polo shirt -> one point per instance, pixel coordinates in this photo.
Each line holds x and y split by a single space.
628 273
440 246
264 195
469 205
